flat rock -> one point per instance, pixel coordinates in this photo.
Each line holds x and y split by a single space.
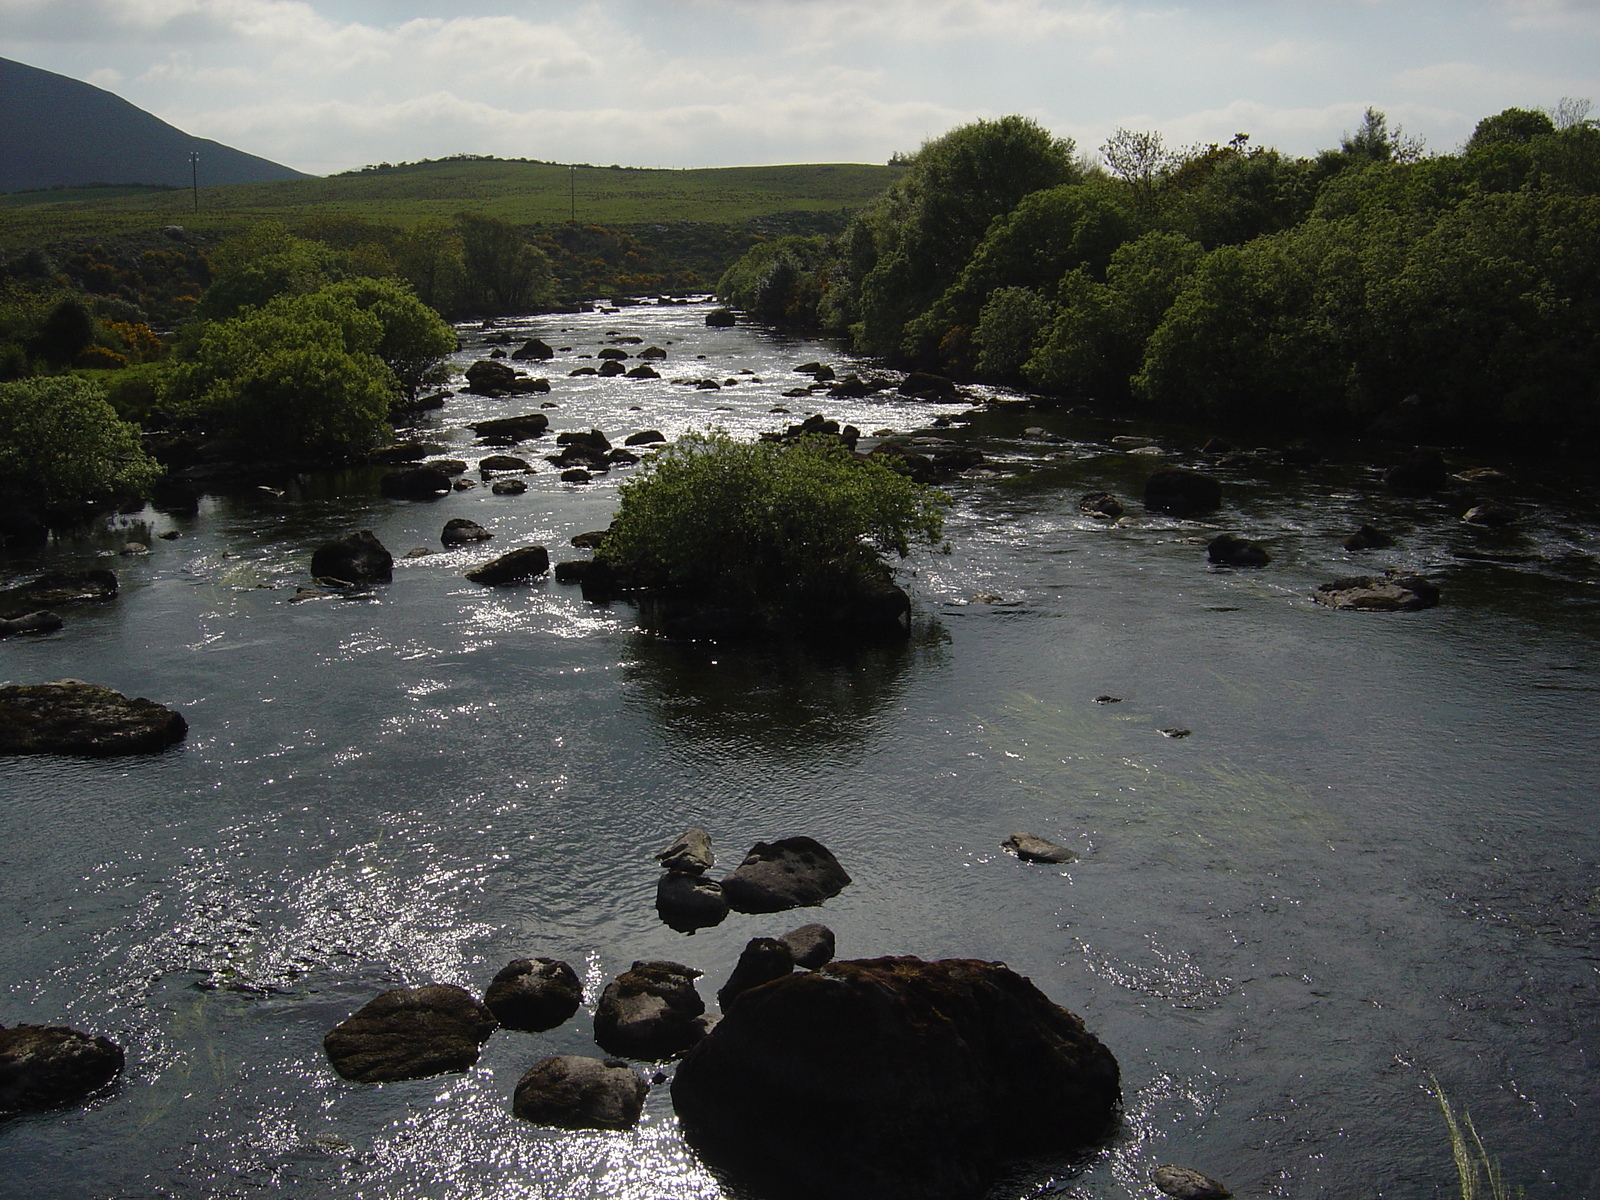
508 487
534 994
58 588
651 1011
1030 847
921 1080
69 716
572 1092
1182 1183
690 853
688 902
762 960
810 946
789 873
1492 514
1372 593
34 622
410 1033
526 563
505 431
503 462
50 1066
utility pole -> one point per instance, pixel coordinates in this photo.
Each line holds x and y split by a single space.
572 190
194 177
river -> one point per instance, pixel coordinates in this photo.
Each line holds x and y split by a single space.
1373 858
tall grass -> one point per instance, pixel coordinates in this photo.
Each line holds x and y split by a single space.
1476 1169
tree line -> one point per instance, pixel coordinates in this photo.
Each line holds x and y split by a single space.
1231 283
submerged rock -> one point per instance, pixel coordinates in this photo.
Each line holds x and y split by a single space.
810 946
534 994
356 559
1368 538
410 1033
1492 515
1225 550
50 1066
921 1079
789 873
69 716
572 1092
1370 593
419 483
34 622
1030 847
1100 504
651 1011
58 588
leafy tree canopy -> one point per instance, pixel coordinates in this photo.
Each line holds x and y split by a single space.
62 445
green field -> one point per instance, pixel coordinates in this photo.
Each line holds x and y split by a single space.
525 193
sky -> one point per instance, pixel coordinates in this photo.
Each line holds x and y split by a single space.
331 85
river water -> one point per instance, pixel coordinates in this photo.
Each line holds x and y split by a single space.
1373 859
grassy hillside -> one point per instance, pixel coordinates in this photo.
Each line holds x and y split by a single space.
526 193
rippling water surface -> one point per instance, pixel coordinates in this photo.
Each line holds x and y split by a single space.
1374 857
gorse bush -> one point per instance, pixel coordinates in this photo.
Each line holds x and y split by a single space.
767 522
62 445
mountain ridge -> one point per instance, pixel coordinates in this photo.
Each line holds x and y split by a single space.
56 131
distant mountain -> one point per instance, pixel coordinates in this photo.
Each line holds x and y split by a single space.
58 131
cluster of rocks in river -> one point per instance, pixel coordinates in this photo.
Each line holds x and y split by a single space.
796 872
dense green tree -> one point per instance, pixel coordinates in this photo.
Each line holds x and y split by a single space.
414 343
429 258
66 332
780 281
61 444
1516 125
1008 326
502 272
266 261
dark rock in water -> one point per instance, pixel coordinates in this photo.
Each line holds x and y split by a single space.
1181 1183
490 378
572 571
504 462
1368 538
643 371
653 352
572 1092
762 960
533 350
1030 847
810 946
922 1079
690 853
592 540
418 552
610 369
20 526
1175 733
356 558
926 386
508 487
622 458
1482 475
464 485
687 902
73 717
1301 454
506 431
1108 699
513 567
1225 550
402 452
1422 472
611 352
1100 504
56 589
534 994
651 1011
49 1066
34 622
1492 515
592 439
410 1033
789 873
419 483
1182 493
575 475
721 318
458 531
1387 593
645 437
450 466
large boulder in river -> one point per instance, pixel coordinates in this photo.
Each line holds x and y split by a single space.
534 994
687 902
526 563
810 946
49 1066
490 378
572 1092
356 558
56 588
507 431
73 717
1374 593
533 350
920 1080
1182 493
34 622
458 531
721 318
651 1011
1030 847
690 853
792 872
1226 550
762 960
410 1033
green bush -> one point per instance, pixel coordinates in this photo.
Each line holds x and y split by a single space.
781 281
764 522
1007 328
62 445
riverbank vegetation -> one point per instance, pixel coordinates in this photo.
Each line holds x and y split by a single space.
1232 283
